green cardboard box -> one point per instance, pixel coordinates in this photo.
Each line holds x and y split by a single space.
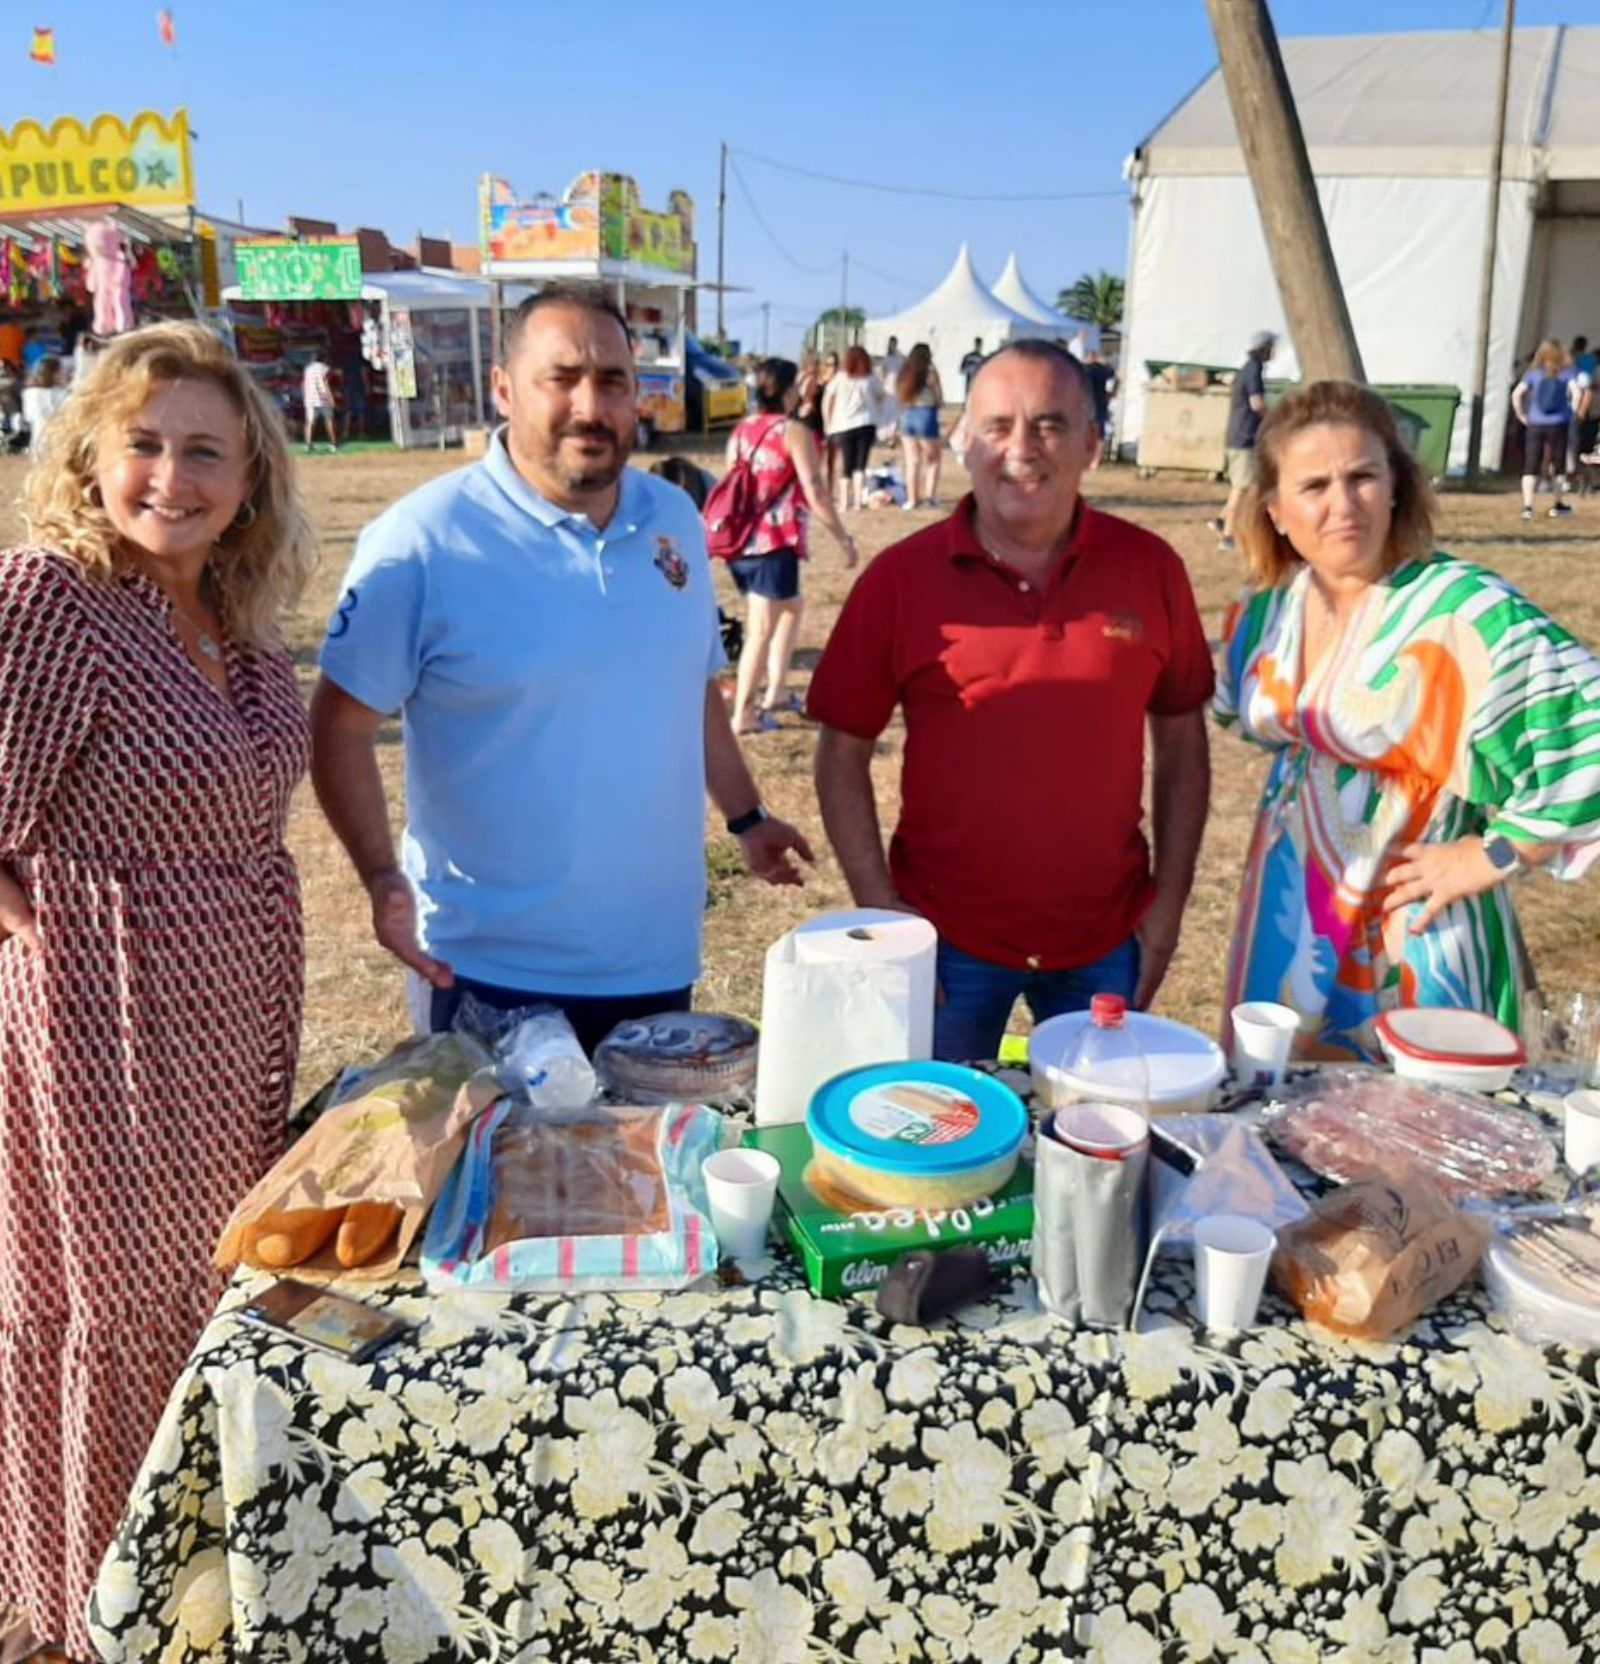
846 1253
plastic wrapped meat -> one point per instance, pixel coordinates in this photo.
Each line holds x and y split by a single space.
1351 1123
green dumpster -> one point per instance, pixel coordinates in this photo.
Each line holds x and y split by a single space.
1424 414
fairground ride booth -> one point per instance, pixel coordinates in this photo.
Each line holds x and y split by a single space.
410 350
58 182
598 233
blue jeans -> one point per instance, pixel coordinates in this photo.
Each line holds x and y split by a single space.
978 996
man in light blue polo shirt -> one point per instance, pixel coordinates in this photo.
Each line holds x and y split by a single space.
544 622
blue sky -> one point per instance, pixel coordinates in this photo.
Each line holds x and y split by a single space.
385 114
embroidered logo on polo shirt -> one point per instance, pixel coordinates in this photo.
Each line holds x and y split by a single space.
669 563
1123 626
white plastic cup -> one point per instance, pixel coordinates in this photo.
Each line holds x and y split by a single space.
741 1186
1580 1145
1263 1036
1231 1256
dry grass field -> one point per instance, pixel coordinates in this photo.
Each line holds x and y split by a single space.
353 1003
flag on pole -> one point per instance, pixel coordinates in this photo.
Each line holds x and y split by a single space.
169 29
44 46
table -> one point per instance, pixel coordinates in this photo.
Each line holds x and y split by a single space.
744 1473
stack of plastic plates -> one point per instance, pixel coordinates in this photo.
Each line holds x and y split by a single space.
692 1057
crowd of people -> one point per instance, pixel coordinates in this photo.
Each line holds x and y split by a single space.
545 622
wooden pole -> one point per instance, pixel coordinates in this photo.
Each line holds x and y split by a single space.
1286 193
1491 238
722 216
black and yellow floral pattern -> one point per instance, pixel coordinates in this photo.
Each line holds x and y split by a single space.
752 1475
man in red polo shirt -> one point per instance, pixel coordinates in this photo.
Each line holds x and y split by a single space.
1028 640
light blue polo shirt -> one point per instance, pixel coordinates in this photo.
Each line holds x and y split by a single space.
551 680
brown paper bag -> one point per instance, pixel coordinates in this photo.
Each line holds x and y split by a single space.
393 1144
1374 1255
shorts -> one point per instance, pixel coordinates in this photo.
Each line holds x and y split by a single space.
853 448
1242 467
1545 449
919 421
774 576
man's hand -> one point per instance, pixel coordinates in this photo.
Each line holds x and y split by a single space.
1435 875
1157 936
16 915
766 849
394 923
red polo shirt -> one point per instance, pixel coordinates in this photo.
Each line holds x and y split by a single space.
1019 832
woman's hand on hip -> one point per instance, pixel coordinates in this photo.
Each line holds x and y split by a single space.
16 912
1432 876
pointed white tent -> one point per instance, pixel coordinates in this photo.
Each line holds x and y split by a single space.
960 311
1012 290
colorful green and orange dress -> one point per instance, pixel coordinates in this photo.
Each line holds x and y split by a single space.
1452 706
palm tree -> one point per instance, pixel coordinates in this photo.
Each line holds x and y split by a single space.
1094 300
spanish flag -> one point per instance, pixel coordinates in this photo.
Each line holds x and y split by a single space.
44 46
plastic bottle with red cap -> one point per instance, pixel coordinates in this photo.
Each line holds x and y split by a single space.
1108 1064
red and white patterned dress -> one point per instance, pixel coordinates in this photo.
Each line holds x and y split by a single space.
147 1051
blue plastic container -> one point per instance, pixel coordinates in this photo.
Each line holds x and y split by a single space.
917 1135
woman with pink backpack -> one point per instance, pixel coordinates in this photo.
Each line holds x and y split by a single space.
756 518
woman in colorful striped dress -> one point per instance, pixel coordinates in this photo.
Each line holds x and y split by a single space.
1434 735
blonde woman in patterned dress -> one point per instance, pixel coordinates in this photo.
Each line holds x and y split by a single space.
150 944
1434 735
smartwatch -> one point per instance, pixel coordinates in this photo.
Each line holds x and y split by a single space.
748 821
1503 855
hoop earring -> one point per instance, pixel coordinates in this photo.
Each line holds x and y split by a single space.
245 518
92 495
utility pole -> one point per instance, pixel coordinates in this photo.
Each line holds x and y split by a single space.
722 222
766 318
844 301
1286 193
1491 238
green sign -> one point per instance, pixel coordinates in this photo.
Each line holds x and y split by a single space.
283 270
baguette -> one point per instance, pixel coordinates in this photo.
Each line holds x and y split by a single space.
366 1227
289 1236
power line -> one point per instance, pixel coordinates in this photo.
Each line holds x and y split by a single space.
927 190
887 277
772 236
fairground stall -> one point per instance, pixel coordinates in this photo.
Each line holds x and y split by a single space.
114 197
410 350
598 232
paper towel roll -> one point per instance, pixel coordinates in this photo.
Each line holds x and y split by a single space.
841 990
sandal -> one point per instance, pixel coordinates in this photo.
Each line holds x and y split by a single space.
762 724
790 705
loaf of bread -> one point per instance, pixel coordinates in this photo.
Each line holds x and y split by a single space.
286 1237
365 1229
589 1178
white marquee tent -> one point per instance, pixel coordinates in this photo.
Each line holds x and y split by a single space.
1398 129
960 311
1012 290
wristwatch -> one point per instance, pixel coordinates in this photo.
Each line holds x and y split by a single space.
1503 855
748 821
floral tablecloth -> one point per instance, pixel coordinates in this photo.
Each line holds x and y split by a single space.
745 1473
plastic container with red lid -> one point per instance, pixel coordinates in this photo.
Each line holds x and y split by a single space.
1449 1046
